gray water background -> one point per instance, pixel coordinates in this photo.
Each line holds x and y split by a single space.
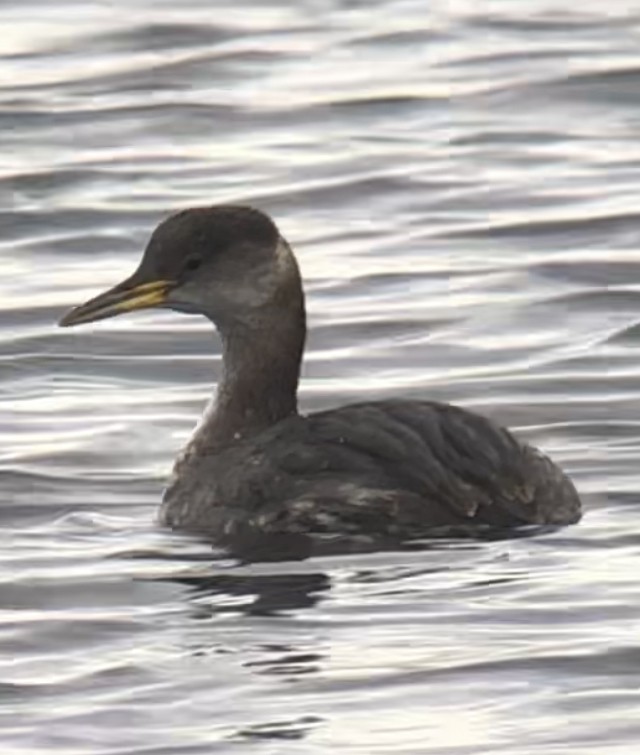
461 183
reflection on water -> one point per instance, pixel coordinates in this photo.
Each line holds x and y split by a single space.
460 184
261 595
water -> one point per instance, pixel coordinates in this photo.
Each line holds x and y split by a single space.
460 181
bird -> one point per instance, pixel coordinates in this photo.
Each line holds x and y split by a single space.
256 469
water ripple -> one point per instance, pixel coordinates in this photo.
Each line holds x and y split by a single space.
460 184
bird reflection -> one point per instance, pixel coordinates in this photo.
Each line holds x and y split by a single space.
267 594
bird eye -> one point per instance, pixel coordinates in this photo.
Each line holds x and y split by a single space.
192 263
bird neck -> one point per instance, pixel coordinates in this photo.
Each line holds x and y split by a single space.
260 371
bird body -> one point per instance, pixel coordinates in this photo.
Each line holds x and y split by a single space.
384 470
256 467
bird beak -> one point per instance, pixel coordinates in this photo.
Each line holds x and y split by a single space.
125 297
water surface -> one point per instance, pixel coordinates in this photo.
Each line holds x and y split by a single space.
460 183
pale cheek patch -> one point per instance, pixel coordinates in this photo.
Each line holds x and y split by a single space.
267 281
284 256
